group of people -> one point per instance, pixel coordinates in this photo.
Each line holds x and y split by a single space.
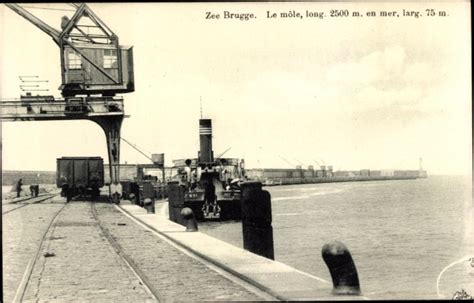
34 188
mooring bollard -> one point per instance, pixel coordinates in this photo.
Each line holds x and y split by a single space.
134 193
175 201
148 193
257 220
189 219
342 268
149 205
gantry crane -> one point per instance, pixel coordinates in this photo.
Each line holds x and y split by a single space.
92 60
92 63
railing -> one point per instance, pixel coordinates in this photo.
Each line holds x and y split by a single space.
48 108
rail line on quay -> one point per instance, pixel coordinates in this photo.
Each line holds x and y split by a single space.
22 199
264 294
127 260
34 269
44 242
27 201
31 264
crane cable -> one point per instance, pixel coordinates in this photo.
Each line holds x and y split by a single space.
220 156
49 8
291 164
136 148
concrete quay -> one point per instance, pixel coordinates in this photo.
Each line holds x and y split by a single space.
100 252
275 278
91 252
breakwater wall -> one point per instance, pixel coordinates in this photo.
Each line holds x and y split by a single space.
302 176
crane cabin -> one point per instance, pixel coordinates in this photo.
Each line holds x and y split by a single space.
97 69
92 60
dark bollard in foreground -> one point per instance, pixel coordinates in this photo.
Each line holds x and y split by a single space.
189 219
342 268
257 220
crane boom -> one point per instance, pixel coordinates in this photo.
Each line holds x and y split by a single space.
317 163
299 161
53 33
291 164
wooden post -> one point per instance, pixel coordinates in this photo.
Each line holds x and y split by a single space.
257 220
175 201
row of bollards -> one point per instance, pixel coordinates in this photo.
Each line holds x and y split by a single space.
257 233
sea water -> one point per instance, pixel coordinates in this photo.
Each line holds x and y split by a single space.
402 234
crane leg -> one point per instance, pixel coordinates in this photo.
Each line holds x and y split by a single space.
111 127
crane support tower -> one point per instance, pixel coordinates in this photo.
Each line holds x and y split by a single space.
92 63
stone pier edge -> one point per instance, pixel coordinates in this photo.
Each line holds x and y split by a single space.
311 288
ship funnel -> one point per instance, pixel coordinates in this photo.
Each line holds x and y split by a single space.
205 141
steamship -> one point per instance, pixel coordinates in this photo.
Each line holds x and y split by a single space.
211 184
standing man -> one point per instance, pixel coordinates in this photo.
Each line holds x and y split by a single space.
18 187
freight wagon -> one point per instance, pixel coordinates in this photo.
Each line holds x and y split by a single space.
80 176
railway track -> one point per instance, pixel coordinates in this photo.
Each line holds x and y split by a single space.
84 224
20 199
31 272
128 261
31 264
25 202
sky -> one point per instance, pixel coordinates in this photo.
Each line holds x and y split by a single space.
352 92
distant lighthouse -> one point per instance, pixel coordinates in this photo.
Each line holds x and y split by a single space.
421 172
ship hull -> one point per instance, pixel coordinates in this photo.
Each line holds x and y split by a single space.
228 210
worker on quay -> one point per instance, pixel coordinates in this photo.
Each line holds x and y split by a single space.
18 187
188 171
235 184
